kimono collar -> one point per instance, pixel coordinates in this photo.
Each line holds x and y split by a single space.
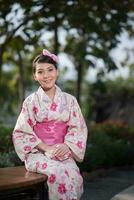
43 96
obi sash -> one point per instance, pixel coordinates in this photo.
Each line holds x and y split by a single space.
51 132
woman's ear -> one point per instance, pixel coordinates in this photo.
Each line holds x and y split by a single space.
57 73
34 76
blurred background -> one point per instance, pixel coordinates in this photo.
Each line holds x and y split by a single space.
94 41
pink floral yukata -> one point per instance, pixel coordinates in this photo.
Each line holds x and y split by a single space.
52 122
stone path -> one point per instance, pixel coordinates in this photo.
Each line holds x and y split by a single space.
104 188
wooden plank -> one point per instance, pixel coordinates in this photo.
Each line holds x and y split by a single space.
19 177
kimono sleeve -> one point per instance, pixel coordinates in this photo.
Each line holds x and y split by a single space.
76 136
24 138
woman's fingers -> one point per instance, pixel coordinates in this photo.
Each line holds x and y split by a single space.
61 150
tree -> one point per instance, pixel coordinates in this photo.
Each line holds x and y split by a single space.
93 29
17 18
100 24
21 33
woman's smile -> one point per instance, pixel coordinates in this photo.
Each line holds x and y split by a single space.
46 74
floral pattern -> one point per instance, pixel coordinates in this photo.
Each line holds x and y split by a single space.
53 107
62 188
64 179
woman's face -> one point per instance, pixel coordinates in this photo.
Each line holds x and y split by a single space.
46 74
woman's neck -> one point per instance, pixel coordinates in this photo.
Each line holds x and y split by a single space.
51 92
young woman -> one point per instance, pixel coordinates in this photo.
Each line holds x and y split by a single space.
50 134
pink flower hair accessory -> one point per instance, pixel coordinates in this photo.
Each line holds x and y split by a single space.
52 56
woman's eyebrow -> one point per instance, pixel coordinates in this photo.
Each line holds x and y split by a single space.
39 69
50 66
42 69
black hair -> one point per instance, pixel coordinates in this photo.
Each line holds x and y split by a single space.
43 59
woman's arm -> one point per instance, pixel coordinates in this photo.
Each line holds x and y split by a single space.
76 136
46 148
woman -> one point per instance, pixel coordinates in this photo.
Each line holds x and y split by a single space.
50 133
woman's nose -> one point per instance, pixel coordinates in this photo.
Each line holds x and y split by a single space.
45 74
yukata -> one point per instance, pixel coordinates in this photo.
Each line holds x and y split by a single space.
52 122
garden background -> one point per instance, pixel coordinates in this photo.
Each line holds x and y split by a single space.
86 35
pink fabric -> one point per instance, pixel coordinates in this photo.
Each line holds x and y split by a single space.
51 55
64 180
51 132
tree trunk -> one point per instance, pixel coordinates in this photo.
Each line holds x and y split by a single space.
56 43
9 35
1 62
21 80
79 81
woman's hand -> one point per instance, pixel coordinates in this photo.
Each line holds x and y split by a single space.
46 148
50 149
61 150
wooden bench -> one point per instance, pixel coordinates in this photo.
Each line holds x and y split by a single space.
17 183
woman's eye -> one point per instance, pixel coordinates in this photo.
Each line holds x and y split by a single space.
39 72
50 70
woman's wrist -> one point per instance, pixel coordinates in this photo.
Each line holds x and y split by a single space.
42 147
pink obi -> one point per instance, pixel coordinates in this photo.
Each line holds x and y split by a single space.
51 132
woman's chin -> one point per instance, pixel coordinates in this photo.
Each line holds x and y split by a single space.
47 87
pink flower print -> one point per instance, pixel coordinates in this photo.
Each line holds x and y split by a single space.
62 188
53 106
33 139
37 164
74 114
79 144
27 148
23 109
81 186
26 157
18 131
72 134
44 165
72 126
35 110
66 172
70 188
52 178
30 122
78 172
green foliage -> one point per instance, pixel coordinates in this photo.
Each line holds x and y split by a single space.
118 86
8 156
109 145
114 129
5 160
5 138
9 159
92 31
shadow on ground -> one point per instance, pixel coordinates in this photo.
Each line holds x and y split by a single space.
104 188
